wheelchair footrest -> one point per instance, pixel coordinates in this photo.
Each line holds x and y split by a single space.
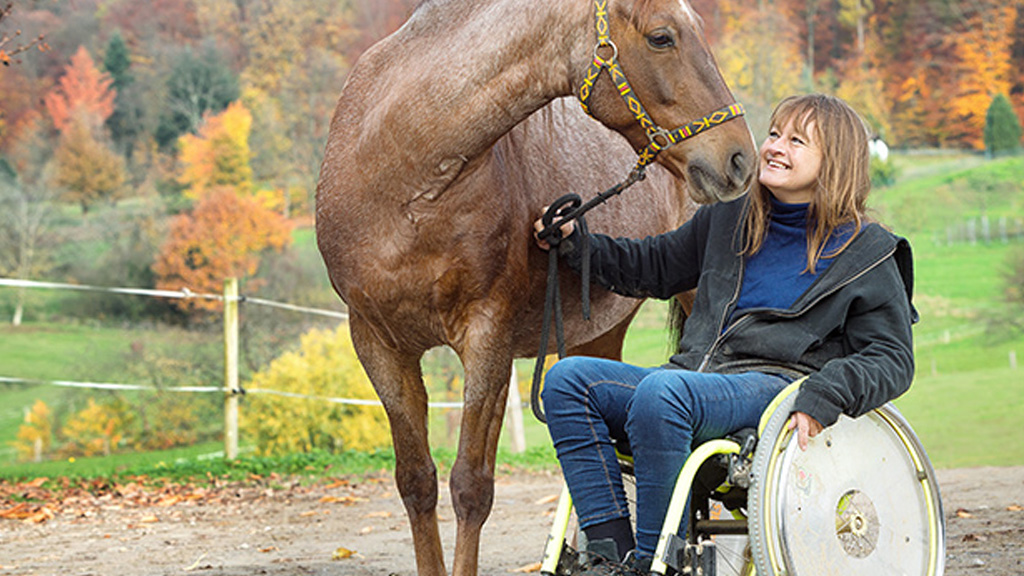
691 559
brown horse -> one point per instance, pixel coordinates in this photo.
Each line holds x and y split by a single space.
448 138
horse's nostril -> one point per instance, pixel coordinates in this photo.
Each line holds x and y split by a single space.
738 167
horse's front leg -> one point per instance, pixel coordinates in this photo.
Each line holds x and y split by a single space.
488 365
398 380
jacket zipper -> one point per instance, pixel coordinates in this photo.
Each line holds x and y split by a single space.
722 335
725 316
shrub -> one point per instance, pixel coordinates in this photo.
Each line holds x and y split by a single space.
883 172
325 366
97 429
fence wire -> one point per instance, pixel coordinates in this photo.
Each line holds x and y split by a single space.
185 293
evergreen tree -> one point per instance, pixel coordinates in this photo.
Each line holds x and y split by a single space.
1002 127
118 62
125 124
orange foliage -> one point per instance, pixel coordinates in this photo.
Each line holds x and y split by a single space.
83 88
983 48
219 154
222 238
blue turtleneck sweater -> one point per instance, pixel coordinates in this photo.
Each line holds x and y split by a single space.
776 276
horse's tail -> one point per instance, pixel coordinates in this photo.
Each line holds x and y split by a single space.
679 309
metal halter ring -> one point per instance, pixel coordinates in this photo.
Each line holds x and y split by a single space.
664 135
615 52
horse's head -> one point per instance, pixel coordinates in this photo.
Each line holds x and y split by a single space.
655 58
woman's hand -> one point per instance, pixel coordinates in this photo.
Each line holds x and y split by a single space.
538 227
806 428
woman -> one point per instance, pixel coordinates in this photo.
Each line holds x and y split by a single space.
791 280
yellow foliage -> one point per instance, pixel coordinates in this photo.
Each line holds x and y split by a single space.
38 428
96 429
219 154
325 366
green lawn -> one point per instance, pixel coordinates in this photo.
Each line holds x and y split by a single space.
969 418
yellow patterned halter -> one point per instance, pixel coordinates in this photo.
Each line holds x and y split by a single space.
658 138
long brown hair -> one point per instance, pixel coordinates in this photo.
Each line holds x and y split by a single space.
844 180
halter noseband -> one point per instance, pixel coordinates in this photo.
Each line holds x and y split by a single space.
658 138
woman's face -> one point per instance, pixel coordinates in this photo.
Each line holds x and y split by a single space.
790 162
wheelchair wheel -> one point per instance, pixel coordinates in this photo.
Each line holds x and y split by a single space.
862 499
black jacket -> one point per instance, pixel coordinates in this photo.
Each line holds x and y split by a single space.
850 331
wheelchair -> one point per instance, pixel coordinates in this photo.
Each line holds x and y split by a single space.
863 499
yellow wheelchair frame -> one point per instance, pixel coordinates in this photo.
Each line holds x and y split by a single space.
862 499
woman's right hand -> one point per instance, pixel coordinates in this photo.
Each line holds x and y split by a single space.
538 226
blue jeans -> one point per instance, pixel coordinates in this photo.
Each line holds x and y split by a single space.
662 413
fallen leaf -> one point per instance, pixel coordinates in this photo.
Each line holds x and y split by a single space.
961 513
339 500
380 514
547 500
535 567
342 553
169 500
366 530
148 519
1015 508
267 549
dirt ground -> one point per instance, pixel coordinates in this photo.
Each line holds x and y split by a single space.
297 530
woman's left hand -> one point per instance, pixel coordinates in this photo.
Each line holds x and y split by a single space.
806 428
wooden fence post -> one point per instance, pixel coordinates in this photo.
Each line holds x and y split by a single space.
514 409
231 368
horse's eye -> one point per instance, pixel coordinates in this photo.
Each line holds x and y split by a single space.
660 40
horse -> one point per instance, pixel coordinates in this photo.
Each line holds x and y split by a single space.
448 138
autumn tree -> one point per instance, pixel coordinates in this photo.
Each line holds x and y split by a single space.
222 237
854 14
762 77
219 155
983 67
35 435
87 170
325 365
83 92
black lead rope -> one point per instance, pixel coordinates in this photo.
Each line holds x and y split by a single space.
566 209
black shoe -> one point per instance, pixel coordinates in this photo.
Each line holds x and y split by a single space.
600 561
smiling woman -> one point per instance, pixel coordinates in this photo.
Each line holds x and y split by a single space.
790 162
783 290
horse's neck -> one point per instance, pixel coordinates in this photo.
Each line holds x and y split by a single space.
460 74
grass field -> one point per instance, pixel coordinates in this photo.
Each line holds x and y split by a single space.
967 404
